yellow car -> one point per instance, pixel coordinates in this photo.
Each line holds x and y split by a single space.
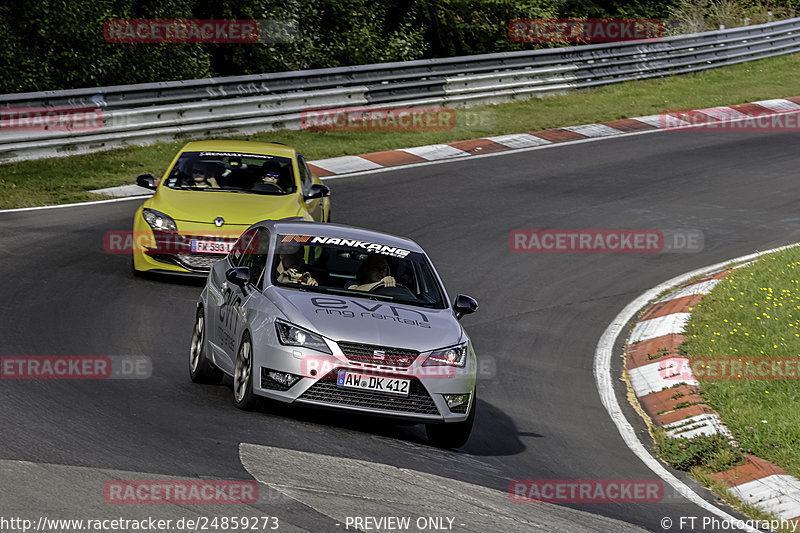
211 193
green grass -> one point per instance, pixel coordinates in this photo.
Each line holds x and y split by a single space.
754 313
714 452
62 180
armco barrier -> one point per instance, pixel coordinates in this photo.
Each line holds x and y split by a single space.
146 113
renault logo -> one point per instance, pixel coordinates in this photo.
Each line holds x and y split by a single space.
219 221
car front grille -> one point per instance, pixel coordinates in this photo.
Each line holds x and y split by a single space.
199 261
326 391
378 355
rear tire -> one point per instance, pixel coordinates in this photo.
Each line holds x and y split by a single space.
201 370
243 376
453 435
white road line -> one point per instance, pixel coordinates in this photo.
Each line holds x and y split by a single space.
605 381
353 174
436 156
93 202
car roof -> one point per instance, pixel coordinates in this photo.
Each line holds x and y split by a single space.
248 147
324 229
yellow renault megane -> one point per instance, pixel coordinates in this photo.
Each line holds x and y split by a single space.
213 191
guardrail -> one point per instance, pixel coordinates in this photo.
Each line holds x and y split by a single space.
146 113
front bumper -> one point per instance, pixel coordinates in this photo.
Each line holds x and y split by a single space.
172 252
318 386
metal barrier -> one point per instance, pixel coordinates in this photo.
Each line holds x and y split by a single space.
146 113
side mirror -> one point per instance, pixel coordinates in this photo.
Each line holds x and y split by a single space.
464 305
148 181
317 191
239 276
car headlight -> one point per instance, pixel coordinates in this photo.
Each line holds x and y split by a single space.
291 335
453 356
158 220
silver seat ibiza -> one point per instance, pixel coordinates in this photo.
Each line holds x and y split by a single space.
338 317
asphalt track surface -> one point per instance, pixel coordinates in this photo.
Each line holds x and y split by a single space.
540 317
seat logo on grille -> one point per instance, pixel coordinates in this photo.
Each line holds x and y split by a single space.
379 354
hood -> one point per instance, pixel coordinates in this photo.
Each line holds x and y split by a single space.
362 320
235 207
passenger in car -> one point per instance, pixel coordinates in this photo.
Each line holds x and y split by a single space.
203 177
291 267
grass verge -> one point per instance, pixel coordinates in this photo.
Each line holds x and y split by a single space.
64 180
751 315
703 456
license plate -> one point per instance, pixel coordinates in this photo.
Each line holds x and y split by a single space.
211 246
374 383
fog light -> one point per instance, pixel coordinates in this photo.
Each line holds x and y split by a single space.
284 378
454 400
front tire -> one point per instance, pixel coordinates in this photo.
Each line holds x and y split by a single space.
453 435
243 376
200 368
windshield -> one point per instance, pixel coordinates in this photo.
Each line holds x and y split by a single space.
232 172
355 268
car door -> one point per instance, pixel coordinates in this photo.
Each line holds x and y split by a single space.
314 206
218 305
234 312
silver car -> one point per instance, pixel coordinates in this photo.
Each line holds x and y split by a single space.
338 317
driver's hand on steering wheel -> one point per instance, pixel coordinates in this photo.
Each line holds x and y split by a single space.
388 281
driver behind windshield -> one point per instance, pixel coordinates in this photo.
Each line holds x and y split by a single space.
269 175
372 273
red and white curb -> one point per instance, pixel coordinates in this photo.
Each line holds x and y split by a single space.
681 411
354 164
502 143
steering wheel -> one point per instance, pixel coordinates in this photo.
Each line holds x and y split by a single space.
398 289
261 186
